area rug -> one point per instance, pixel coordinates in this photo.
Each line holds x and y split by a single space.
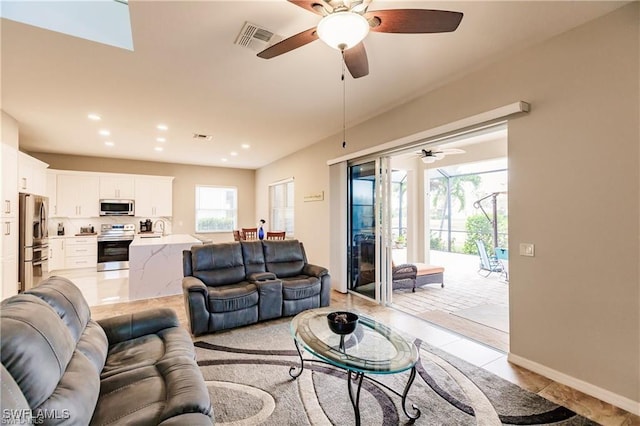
247 374
494 316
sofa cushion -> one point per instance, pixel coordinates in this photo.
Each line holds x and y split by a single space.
218 264
39 352
284 258
147 350
300 287
67 300
151 394
233 297
253 256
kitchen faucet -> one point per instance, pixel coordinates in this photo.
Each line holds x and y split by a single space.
162 226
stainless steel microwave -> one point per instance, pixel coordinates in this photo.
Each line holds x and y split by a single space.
117 208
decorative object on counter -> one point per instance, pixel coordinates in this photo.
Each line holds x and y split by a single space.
261 231
60 229
87 230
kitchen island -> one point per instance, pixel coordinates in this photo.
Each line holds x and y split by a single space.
155 265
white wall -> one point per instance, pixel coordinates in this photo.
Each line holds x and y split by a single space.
574 191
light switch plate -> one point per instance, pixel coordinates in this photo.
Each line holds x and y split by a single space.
527 249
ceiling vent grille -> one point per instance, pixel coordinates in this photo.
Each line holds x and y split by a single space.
201 137
255 37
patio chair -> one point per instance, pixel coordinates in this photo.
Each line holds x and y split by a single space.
488 263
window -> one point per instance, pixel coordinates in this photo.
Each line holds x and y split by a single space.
216 208
281 205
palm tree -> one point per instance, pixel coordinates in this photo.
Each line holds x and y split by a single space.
452 189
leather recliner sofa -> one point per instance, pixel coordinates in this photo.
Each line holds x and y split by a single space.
229 285
61 367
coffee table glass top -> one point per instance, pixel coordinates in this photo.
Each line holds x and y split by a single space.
372 348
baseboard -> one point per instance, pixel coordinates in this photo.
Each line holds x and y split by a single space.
588 388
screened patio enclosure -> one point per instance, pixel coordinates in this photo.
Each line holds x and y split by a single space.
468 202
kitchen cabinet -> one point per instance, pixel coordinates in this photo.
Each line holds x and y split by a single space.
117 187
9 206
77 195
9 257
56 254
80 252
154 196
51 193
32 175
9 181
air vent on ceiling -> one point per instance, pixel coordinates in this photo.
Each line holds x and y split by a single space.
201 137
255 37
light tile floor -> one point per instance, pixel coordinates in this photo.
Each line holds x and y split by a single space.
102 290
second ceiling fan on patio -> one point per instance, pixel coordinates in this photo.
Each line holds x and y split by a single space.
432 155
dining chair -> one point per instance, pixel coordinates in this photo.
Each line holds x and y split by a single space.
279 235
236 235
249 233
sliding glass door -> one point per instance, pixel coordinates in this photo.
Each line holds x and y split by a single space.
368 253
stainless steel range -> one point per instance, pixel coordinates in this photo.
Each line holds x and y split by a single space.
113 246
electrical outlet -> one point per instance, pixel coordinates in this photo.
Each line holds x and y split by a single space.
527 249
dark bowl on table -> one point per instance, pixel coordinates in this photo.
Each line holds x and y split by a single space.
342 322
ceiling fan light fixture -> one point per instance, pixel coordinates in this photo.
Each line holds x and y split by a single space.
343 30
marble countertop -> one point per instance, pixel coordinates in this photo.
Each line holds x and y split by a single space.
164 240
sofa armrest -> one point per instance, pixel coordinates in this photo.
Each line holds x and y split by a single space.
196 297
314 270
193 284
130 326
261 276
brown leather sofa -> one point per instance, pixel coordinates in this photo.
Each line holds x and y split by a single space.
61 367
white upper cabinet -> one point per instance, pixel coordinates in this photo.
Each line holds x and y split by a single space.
117 187
9 181
154 196
52 186
77 195
32 175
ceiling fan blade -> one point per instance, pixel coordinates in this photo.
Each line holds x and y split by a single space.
450 151
289 44
314 6
356 61
413 21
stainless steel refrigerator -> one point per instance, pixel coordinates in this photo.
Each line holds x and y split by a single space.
33 240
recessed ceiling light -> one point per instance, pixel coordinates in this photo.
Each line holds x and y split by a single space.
245 146
224 159
161 139
104 132
159 148
109 143
233 153
94 117
162 127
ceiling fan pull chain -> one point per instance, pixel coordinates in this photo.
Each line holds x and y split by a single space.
344 105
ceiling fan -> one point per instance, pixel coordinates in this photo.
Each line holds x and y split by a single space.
432 155
346 23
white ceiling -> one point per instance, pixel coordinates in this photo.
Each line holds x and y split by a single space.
187 72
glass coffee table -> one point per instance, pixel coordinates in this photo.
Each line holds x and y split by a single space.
373 348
